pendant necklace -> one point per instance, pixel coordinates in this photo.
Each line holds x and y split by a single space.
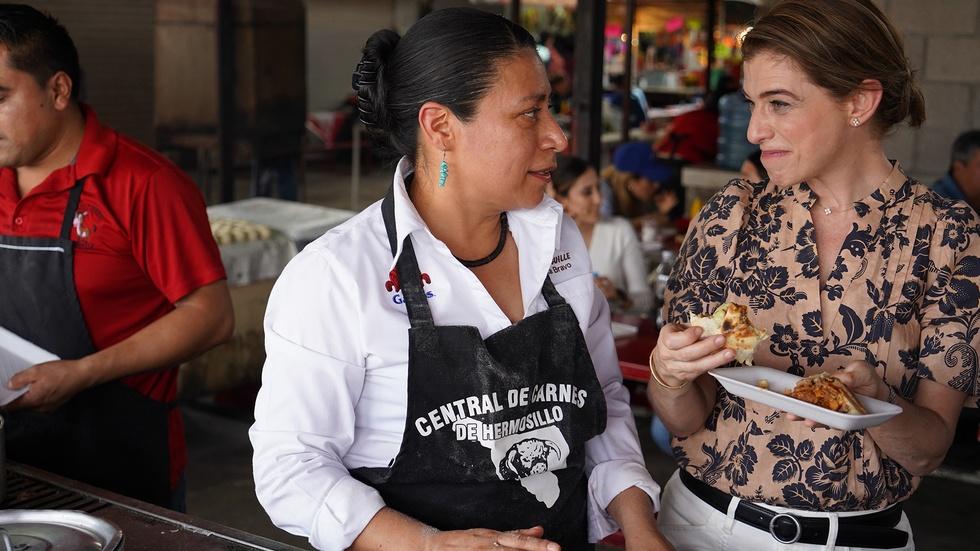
828 211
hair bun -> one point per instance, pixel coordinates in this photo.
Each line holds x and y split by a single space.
368 80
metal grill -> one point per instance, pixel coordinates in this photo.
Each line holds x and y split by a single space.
28 493
147 528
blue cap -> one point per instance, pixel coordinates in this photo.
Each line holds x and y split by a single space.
638 158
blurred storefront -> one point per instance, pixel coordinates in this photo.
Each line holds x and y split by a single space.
662 56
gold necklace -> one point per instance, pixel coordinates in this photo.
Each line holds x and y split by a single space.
828 211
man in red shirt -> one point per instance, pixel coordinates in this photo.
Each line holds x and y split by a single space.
106 260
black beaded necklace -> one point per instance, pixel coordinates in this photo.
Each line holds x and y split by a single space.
496 252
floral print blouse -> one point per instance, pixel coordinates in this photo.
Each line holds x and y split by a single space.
903 295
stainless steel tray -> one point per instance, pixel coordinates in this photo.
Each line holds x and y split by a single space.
44 530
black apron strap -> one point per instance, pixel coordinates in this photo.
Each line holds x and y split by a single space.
69 219
407 266
410 278
551 294
388 214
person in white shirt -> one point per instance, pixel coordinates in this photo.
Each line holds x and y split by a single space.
418 392
617 261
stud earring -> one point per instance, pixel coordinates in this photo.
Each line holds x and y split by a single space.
443 171
855 122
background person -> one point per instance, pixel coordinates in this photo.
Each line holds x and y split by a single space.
693 136
853 268
962 181
107 261
440 369
643 186
621 271
614 98
752 168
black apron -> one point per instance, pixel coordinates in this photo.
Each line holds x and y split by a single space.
495 430
109 436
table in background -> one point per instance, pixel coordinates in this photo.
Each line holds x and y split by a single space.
252 267
300 222
634 350
703 181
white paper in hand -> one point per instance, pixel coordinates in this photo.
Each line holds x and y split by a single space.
16 355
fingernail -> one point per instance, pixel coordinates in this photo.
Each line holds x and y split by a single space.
553 547
729 353
720 339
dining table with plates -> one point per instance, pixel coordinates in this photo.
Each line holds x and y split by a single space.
635 337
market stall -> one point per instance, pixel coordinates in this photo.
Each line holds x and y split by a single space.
256 237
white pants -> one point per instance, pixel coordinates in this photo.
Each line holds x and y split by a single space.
692 525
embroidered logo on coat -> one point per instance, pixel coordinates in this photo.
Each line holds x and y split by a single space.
561 262
393 285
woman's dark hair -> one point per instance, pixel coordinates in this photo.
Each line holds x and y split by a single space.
569 170
450 56
839 44
38 45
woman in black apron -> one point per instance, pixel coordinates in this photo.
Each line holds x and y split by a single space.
493 450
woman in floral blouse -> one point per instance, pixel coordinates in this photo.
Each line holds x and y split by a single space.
852 268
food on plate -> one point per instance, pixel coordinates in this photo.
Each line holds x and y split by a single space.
825 390
229 230
732 320
763 384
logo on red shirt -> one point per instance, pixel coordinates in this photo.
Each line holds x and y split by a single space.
85 223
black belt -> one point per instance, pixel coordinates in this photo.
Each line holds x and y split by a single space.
873 530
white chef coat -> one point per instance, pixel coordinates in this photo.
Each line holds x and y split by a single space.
334 392
615 253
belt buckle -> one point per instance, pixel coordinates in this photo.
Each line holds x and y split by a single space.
796 522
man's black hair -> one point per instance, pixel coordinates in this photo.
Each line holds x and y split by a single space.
964 146
38 44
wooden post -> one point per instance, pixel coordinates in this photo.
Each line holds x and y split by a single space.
515 11
628 70
712 22
590 26
226 100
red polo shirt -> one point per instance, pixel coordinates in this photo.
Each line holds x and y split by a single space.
142 238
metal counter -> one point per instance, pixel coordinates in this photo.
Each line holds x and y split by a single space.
145 527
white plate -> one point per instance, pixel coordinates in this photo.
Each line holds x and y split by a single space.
743 381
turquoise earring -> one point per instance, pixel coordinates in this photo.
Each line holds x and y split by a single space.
443 171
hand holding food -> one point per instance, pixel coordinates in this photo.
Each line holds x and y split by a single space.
732 321
681 355
862 378
825 390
